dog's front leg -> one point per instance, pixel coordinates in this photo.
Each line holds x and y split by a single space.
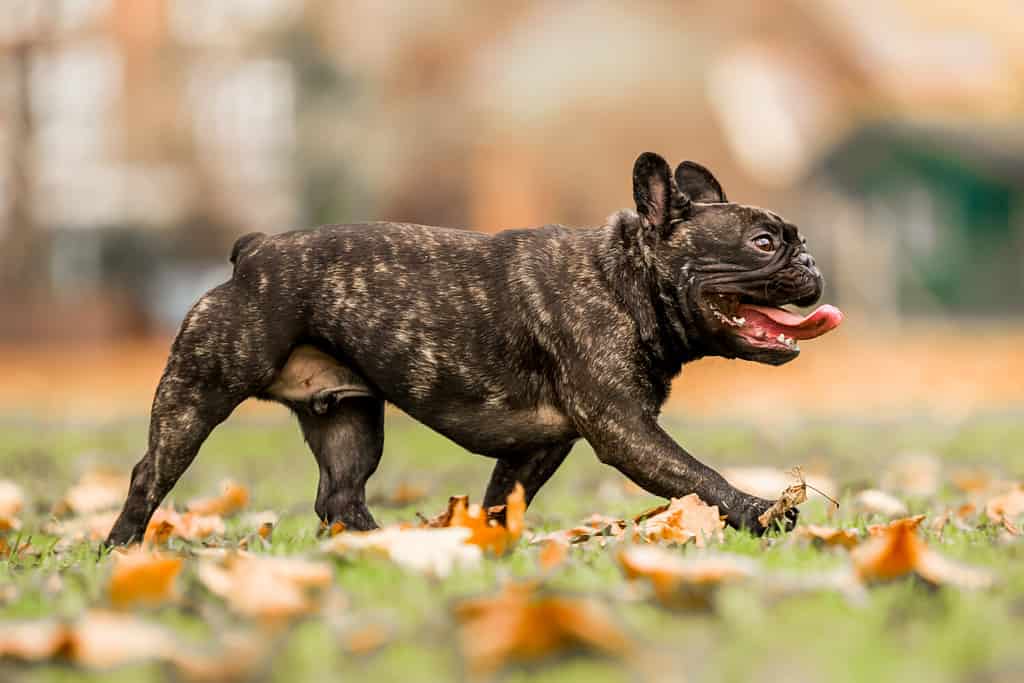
636 445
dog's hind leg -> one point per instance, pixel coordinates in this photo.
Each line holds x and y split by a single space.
220 357
347 442
532 471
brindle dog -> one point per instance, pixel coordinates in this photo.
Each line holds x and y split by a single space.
514 345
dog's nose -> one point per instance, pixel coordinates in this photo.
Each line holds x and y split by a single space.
806 259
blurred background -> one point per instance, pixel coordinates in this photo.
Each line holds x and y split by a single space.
139 138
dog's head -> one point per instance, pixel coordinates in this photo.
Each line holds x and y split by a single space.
728 268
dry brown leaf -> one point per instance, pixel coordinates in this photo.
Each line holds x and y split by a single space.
95 491
896 550
190 526
270 588
684 519
683 582
445 518
553 553
766 482
103 640
485 529
366 639
433 551
91 527
908 522
141 576
12 500
1008 506
98 640
972 480
233 498
914 474
790 498
521 624
873 501
830 536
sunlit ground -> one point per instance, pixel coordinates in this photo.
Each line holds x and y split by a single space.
905 630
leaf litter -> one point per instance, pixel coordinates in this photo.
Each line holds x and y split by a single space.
525 621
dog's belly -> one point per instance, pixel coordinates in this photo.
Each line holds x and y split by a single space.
478 426
497 432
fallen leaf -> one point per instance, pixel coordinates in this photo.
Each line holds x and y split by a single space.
95 491
485 528
908 522
829 536
521 624
679 581
873 501
789 499
12 500
972 480
366 639
141 576
98 640
233 498
255 520
445 518
914 474
101 640
1008 506
684 519
553 553
190 526
270 588
896 550
766 482
433 551
91 527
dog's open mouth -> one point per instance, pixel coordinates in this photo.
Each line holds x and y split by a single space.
774 327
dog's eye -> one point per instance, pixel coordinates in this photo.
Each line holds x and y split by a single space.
764 243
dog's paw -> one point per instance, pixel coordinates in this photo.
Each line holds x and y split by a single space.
752 507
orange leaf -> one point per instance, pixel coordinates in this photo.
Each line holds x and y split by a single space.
271 588
518 624
12 500
233 497
553 553
485 532
142 577
1008 506
896 550
95 492
845 538
680 582
685 519
188 525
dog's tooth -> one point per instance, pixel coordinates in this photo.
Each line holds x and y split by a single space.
740 321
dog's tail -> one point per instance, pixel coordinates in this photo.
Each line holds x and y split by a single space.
243 243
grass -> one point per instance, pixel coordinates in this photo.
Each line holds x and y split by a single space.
905 631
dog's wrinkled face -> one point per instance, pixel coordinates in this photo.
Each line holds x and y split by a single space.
732 266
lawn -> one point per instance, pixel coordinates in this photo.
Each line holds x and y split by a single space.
902 630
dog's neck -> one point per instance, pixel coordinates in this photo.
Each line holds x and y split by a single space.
665 315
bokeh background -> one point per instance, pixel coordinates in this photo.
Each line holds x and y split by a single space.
139 138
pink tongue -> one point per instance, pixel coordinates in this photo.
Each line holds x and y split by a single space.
777 321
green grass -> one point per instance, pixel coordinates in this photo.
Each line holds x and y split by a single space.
905 630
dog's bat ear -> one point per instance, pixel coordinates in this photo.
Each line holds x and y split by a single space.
653 189
698 183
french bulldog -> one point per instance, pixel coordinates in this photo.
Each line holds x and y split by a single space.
514 345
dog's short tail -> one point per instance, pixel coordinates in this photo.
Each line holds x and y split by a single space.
245 242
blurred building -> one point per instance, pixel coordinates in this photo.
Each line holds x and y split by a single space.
138 138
